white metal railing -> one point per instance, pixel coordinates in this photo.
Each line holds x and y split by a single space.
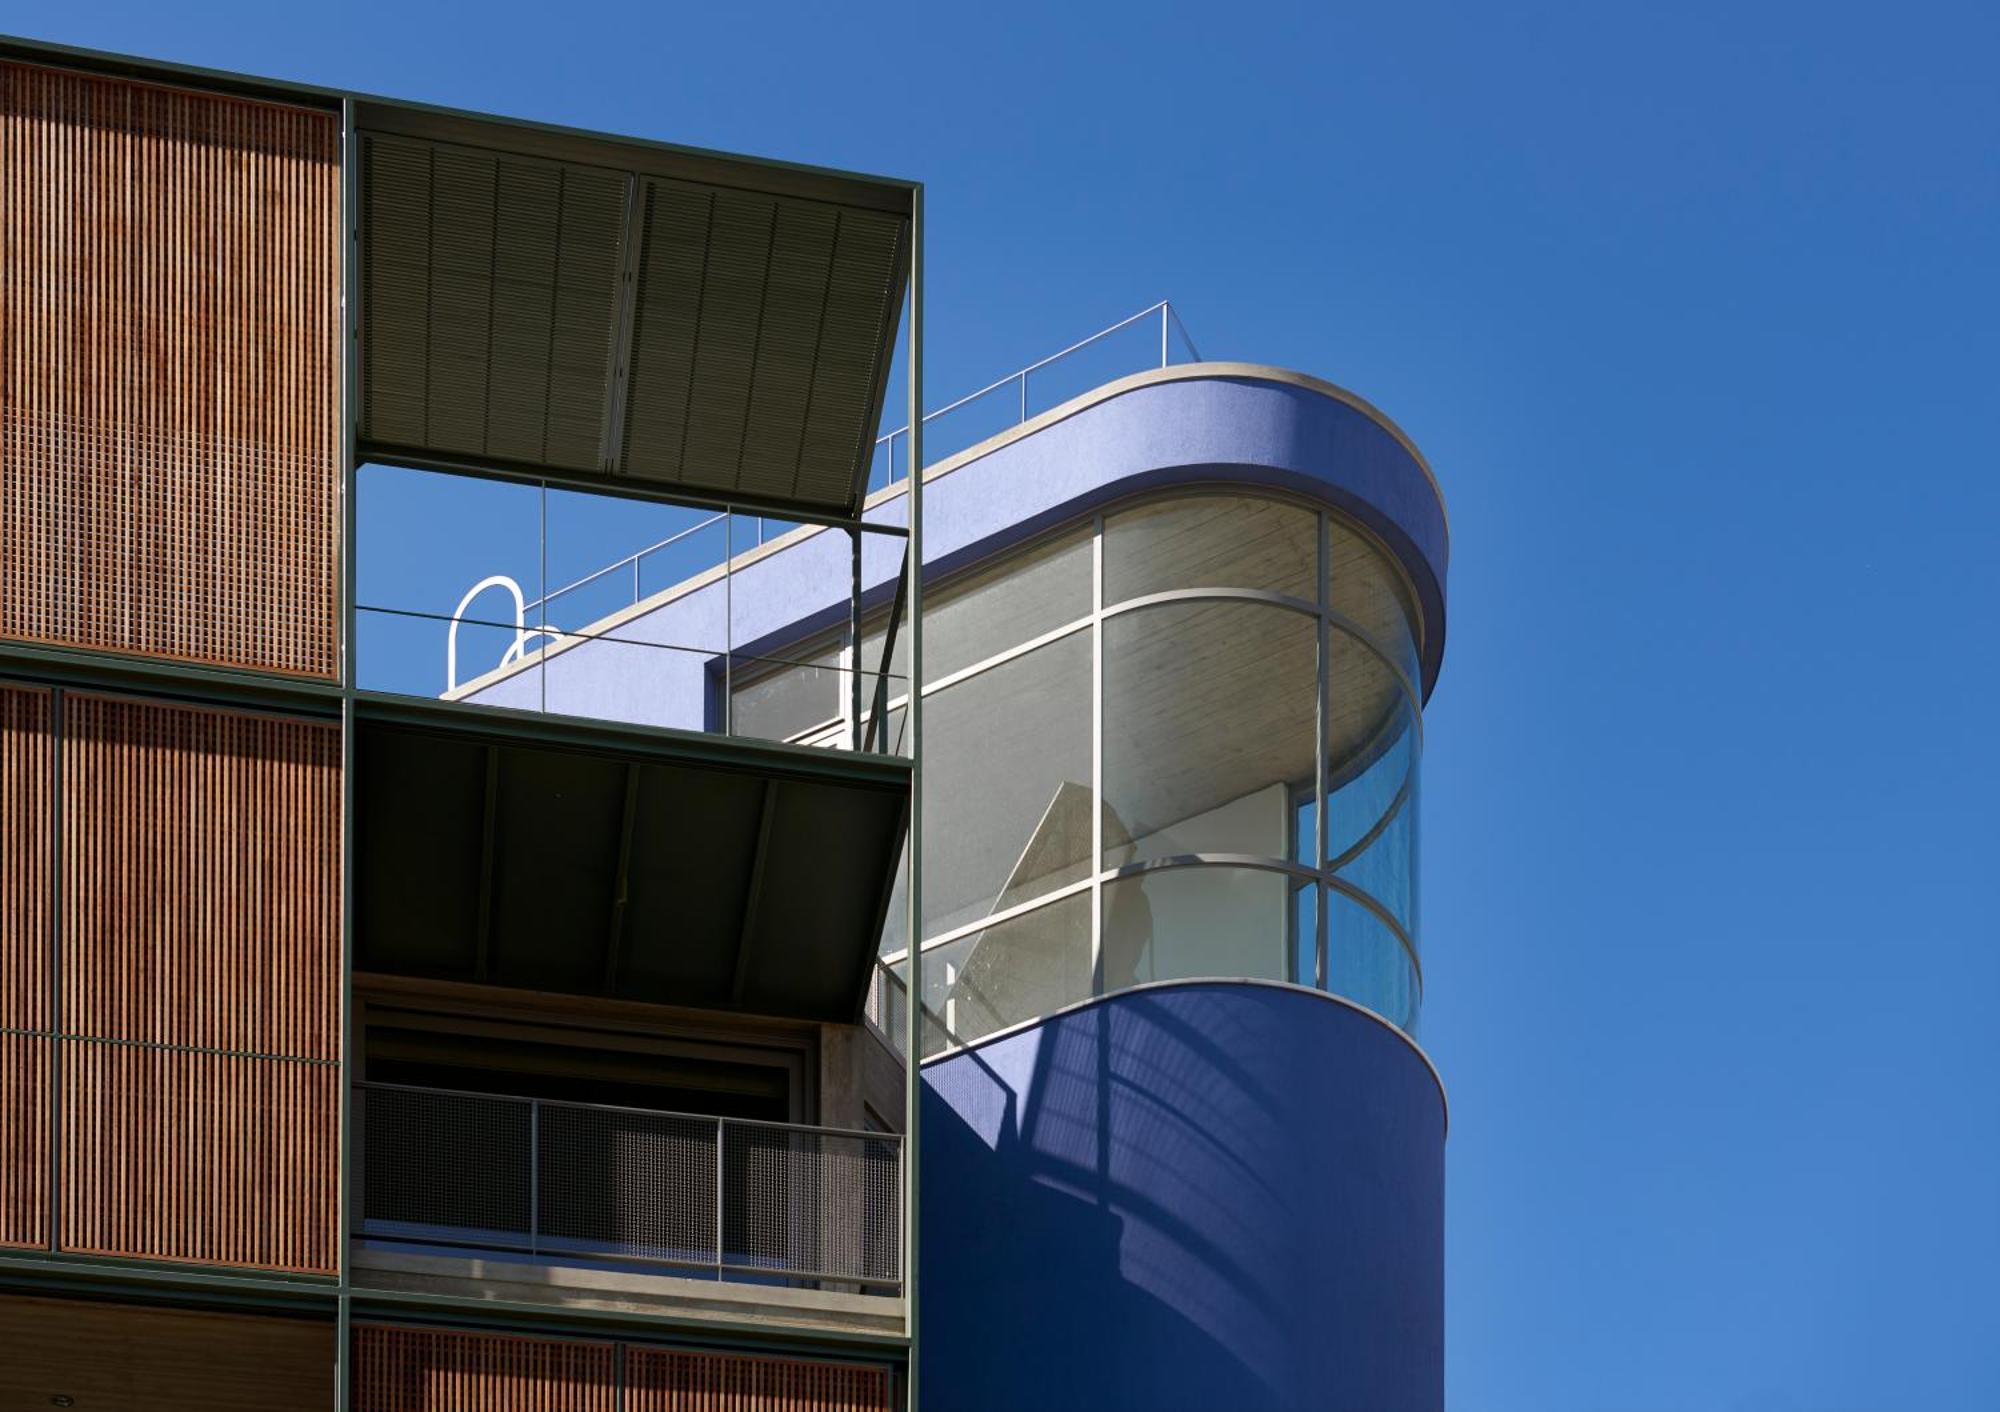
633 564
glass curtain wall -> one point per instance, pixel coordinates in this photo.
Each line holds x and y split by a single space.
1179 740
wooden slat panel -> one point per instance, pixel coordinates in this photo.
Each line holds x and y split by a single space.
115 1357
200 984
440 1370
674 1380
27 765
201 877
208 1159
24 1140
26 771
169 315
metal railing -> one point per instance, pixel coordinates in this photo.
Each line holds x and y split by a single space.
1169 323
757 530
730 1197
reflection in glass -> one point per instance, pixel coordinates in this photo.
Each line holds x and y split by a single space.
1015 970
1007 784
1210 733
980 615
1367 963
1208 723
1183 923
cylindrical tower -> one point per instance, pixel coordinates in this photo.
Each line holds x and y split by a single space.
1180 1145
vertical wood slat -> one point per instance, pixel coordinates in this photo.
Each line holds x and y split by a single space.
200 984
440 1370
678 1380
201 877
27 765
169 314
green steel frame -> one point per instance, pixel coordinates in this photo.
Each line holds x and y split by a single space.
338 1298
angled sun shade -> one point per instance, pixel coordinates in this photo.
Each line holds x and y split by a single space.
536 302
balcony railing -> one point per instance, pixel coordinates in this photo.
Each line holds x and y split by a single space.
728 1197
1153 337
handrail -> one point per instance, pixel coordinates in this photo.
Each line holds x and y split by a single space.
1164 309
894 1139
822 1210
1170 320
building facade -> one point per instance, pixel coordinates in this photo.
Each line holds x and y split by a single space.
409 1006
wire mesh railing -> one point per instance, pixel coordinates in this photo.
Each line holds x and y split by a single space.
735 1198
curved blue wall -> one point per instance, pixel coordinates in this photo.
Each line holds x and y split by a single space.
1195 424
1197 1195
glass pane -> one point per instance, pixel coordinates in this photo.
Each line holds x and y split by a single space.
1367 963
1368 717
1007 784
424 541
619 679
1364 587
1383 862
606 553
1020 969
783 596
1211 541
1184 923
970 619
784 700
1305 933
1208 726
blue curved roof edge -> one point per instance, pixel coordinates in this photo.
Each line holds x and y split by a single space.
1197 423
1192 1194
1194 423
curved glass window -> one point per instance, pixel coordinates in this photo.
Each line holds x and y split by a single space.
1213 773
1208 728
1007 784
1187 923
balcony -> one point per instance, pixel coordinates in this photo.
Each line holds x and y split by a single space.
548 1182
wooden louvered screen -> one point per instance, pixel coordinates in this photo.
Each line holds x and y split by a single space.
200 984
27 764
103 1357
439 1370
757 347
169 328
671 1380
491 287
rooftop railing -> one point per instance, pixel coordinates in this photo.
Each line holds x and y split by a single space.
1001 404
726 1197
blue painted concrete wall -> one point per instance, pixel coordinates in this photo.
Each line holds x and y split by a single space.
1211 1195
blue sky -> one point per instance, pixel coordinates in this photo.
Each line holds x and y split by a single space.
1694 309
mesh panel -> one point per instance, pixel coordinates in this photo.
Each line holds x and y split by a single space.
632 1183
804 1202
457 1161
613 1182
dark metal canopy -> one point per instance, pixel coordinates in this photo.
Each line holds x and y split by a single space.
622 863
622 313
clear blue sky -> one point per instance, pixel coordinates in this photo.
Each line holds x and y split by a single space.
1695 313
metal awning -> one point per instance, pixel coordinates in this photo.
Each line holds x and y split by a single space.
537 302
626 863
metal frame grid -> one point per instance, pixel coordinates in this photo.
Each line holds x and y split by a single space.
247 688
1328 625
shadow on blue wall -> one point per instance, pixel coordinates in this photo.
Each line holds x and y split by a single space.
1202 1195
